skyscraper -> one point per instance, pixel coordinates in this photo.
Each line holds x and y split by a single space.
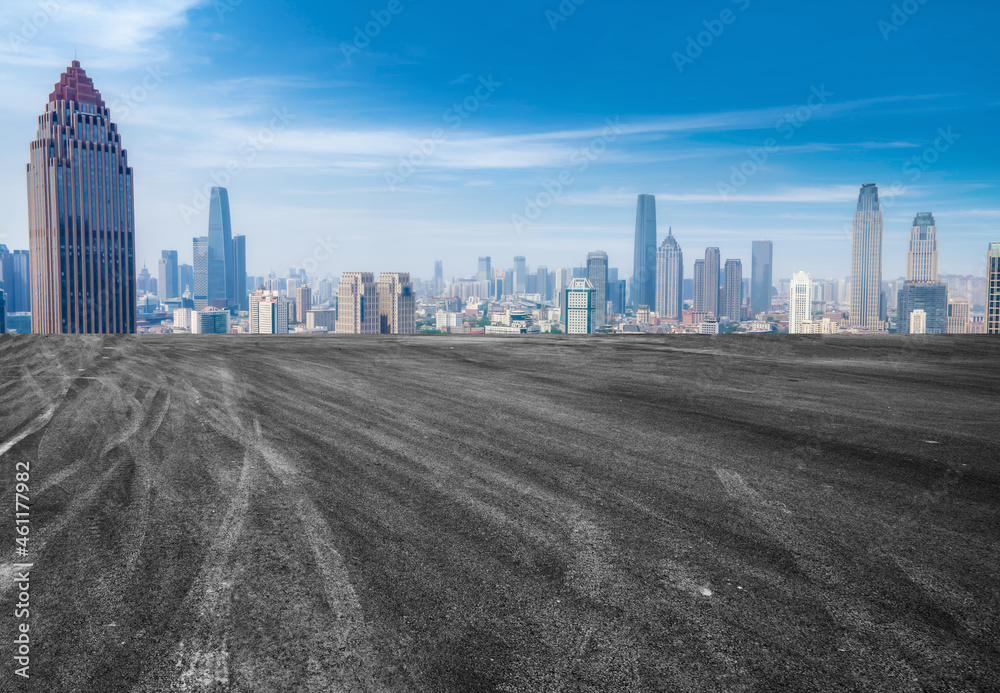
397 307
22 282
143 284
698 301
866 262
959 314
7 282
644 265
670 279
578 310
303 303
922 257
221 277
562 277
200 288
242 299
597 275
713 268
438 277
3 311
268 313
930 297
81 220
761 280
993 290
169 277
799 302
357 304
520 275
732 292
542 282
485 269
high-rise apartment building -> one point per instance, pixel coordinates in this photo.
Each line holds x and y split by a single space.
670 279
866 262
321 319
799 302
706 284
597 275
918 322
959 315
732 292
578 310
698 300
485 272
993 290
542 282
81 218
268 313
520 275
242 296
200 288
167 270
397 310
357 304
303 303
922 256
761 279
643 288
931 298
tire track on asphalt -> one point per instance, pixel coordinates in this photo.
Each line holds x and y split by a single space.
863 634
203 660
354 658
81 501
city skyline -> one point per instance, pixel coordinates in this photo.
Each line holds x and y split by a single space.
192 101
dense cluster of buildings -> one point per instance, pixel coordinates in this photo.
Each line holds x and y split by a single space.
79 274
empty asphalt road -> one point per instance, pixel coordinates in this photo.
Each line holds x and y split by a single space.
450 514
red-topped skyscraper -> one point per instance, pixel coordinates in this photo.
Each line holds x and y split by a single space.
80 216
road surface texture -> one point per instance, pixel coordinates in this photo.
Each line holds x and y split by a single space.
537 514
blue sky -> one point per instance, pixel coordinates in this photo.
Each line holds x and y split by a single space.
319 114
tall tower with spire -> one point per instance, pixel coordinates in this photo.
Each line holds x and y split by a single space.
81 221
670 279
922 256
866 262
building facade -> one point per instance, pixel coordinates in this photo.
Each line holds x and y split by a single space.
922 255
732 291
930 297
799 302
918 322
268 313
242 298
168 272
578 314
597 275
221 277
322 319
357 304
761 279
200 289
993 290
303 303
959 315
210 321
397 306
670 279
81 216
643 288
866 262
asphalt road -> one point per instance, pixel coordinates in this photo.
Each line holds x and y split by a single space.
544 514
